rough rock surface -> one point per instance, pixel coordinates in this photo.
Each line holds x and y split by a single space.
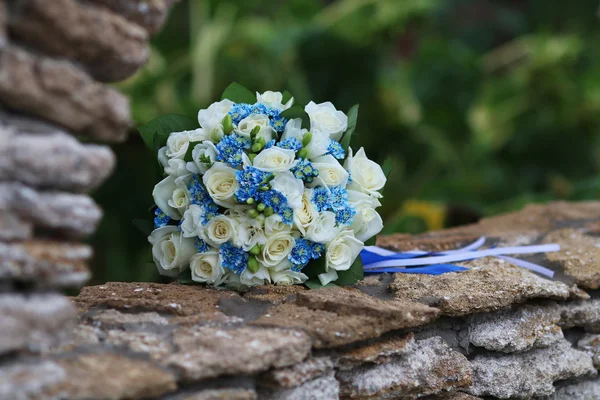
75 215
325 388
26 145
528 374
110 47
585 390
591 345
431 368
585 314
509 331
34 323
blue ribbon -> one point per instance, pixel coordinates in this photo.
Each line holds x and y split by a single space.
378 260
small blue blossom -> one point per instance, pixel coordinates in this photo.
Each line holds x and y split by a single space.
345 215
278 123
320 198
275 199
304 170
336 150
338 197
210 211
260 108
303 252
233 258
287 215
239 111
250 180
290 144
201 245
317 250
200 197
231 148
161 219
270 144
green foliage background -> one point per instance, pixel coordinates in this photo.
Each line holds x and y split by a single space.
482 105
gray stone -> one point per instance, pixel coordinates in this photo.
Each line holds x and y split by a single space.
516 330
584 390
110 47
432 367
216 394
297 374
52 159
61 93
529 374
45 264
491 284
26 381
584 314
34 323
149 14
76 215
206 352
12 227
451 396
379 352
591 345
324 388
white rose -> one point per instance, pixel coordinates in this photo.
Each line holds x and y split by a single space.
162 157
342 251
330 171
275 159
221 184
356 197
318 146
293 129
177 168
214 114
277 248
292 188
367 175
328 277
367 222
207 268
288 277
307 213
273 100
274 224
250 233
246 126
205 149
218 230
178 142
323 230
191 221
257 278
170 250
180 199
163 194
325 119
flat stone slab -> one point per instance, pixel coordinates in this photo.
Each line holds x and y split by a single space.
584 390
45 87
43 156
108 45
491 284
530 374
591 345
584 314
34 323
44 264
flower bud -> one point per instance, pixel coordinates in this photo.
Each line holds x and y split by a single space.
269 211
253 265
256 147
253 213
250 201
254 132
252 156
227 124
303 153
306 139
255 250
261 207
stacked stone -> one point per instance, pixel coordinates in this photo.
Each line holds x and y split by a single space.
56 60
496 331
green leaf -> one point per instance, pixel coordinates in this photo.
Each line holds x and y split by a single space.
352 118
372 241
286 97
238 94
352 275
144 226
185 278
316 284
156 132
297 112
314 268
188 153
387 166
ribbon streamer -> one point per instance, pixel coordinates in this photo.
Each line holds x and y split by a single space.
377 260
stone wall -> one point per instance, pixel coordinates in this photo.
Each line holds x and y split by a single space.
56 58
496 331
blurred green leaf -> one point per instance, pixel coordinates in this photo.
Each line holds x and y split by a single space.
352 119
354 274
238 94
156 132
316 284
297 112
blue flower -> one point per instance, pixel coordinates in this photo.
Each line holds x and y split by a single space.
274 199
336 150
303 252
320 198
278 123
250 180
270 144
239 111
345 215
287 215
260 108
231 148
161 219
201 246
317 250
304 170
233 258
338 197
290 144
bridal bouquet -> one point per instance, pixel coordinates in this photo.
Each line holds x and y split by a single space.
262 191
